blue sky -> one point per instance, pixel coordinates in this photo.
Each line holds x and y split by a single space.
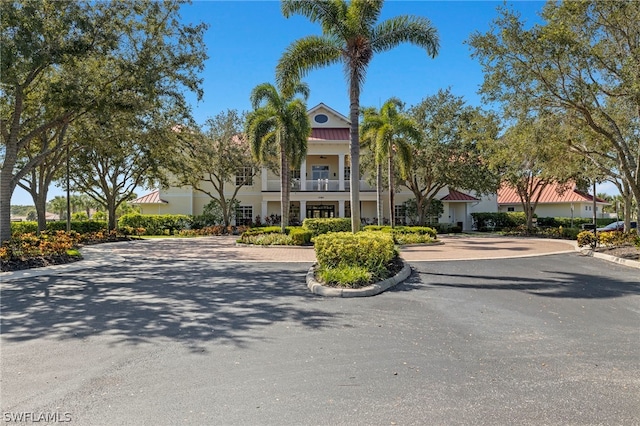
246 38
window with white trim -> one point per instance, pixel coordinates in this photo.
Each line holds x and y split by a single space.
511 209
244 176
244 215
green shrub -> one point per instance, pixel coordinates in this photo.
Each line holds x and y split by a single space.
269 235
323 226
550 232
569 233
402 239
156 224
498 221
264 230
345 276
566 222
81 227
80 216
300 236
18 228
370 250
406 234
268 239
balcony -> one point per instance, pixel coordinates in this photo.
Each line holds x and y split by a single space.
319 185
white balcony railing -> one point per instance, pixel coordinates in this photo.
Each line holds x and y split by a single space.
318 185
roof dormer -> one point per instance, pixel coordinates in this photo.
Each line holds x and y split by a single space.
323 116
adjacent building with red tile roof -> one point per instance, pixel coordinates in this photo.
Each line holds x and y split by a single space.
555 200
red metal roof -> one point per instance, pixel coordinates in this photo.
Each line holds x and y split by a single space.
552 193
458 196
152 198
329 134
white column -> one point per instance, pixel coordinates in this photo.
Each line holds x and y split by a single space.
341 174
303 175
341 206
303 210
263 211
263 178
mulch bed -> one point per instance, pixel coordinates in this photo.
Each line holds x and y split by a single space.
37 262
626 252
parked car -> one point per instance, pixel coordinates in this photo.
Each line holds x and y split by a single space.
617 226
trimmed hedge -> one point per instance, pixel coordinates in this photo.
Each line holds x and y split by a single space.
370 250
420 230
160 224
498 221
79 226
269 235
324 226
565 222
406 234
300 237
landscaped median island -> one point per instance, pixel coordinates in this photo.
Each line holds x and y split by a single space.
364 263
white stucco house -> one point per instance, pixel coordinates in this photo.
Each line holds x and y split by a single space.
320 187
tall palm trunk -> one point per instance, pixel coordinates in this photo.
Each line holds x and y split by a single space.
354 151
285 189
392 212
379 193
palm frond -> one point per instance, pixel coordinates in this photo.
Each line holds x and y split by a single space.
267 93
362 15
406 29
302 56
329 13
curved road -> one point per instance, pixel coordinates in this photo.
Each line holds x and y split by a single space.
172 331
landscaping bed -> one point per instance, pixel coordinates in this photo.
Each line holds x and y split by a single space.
625 252
38 262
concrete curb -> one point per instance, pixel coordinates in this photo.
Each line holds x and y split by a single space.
608 257
372 290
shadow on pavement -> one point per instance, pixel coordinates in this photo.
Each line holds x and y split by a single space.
180 300
563 284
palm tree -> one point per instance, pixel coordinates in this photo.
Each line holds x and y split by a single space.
279 123
388 134
351 35
58 204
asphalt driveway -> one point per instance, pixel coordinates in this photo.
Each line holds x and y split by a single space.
165 337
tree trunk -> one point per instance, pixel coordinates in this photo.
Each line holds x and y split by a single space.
226 213
111 212
284 190
425 208
421 213
380 211
7 185
6 191
392 213
40 201
354 151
